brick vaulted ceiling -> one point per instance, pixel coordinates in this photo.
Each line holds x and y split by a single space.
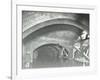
40 28
32 20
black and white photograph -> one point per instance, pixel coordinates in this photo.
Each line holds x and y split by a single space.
55 39
52 41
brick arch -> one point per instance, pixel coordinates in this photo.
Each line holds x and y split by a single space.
54 21
47 44
53 45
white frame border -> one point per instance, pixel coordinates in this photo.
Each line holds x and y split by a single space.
18 74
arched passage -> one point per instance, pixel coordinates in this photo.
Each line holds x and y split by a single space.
51 55
56 31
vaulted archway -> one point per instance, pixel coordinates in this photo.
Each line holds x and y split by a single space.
53 31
